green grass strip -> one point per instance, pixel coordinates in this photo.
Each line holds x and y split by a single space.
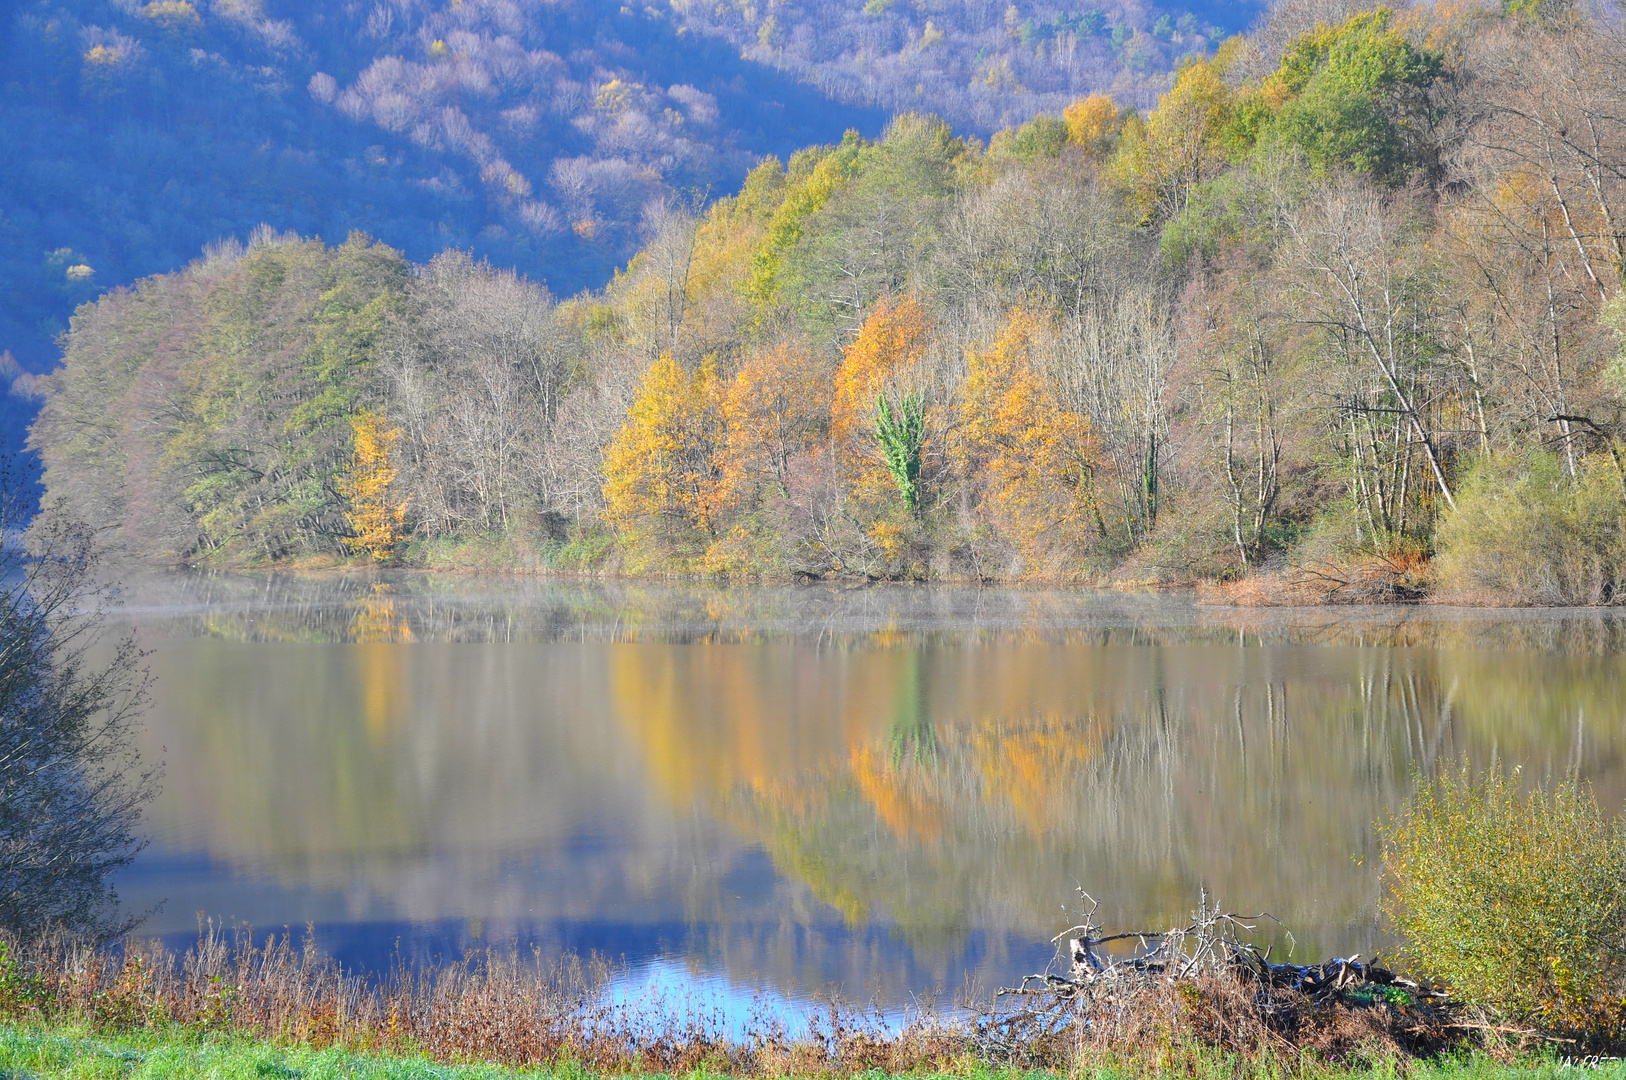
75 1053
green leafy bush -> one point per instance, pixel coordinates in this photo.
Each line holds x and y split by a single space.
1517 899
901 431
1524 532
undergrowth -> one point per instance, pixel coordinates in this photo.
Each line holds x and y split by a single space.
528 1014
1515 898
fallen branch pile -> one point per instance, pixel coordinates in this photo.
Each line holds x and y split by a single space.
1207 984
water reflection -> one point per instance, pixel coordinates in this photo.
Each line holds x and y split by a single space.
880 789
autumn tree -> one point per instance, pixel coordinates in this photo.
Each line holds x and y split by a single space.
776 407
1187 140
375 516
893 339
1093 123
1031 461
661 473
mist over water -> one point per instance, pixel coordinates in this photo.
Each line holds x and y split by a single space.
871 791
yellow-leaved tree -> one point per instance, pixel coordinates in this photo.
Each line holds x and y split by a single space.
661 477
375 518
1184 142
1031 460
1093 123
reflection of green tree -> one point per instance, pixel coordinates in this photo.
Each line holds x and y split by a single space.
911 738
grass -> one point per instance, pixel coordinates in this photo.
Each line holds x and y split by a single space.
76 1053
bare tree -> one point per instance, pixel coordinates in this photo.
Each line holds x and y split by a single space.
479 370
1112 366
71 784
1052 238
1368 286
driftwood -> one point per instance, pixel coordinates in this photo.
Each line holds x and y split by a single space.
1213 942
1109 988
1374 579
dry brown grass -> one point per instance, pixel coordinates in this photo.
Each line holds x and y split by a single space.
1392 578
490 1006
521 1012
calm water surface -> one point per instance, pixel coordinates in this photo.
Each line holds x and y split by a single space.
878 792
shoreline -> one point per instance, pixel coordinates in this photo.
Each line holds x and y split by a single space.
1254 593
227 1008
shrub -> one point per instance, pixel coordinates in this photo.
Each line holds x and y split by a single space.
1516 899
1524 532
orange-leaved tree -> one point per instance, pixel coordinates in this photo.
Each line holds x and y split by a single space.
661 471
375 519
881 364
893 338
1031 460
776 407
889 344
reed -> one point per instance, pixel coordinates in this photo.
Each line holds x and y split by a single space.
491 1006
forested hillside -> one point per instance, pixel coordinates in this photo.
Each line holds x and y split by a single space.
536 135
977 64
1343 311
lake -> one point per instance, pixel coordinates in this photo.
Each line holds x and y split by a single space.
880 792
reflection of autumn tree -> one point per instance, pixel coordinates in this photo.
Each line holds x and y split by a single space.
831 766
1032 764
943 789
1138 760
377 627
888 780
376 620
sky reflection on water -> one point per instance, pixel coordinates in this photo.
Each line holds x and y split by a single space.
879 792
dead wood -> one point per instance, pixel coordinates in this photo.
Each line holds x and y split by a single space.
1208 984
